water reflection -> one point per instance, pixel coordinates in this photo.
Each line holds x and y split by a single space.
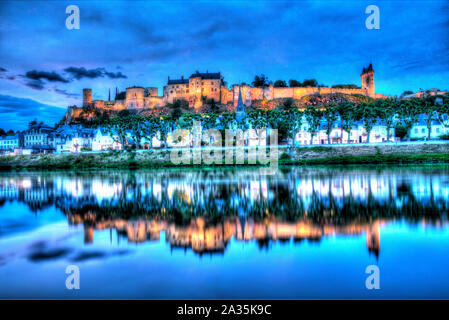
204 210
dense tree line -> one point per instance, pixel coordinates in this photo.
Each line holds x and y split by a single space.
400 114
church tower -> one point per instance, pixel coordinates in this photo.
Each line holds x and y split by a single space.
367 78
240 110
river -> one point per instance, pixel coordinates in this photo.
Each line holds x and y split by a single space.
305 232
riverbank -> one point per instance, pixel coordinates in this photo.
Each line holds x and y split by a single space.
304 155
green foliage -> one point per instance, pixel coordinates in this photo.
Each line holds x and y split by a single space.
345 86
120 96
330 114
294 83
400 131
288 104
310 83
313 117
260 81
280 84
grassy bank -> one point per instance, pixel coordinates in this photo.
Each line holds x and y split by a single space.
374 159
313 155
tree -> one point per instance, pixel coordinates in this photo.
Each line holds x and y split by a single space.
260 81
258 121
348 117
310 83
406 92
346 86
32 123
386 110
429 109
313 118
280 84
10 132
176 110
368 114
400 131
117 126
294 83
164 125
2 132
443 112
209 121
124 113
330 114
408 112
288 104
150 128
292 120
212 105
136 124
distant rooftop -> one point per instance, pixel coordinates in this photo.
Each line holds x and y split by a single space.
202 75
207 75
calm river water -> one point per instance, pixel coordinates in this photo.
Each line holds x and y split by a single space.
302 233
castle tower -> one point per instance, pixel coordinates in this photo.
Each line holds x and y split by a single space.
373 239
367 78
135 97
87 97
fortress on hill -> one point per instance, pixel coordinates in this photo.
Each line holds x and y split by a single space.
200 87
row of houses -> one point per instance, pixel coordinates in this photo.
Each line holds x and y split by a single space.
358 133
40 138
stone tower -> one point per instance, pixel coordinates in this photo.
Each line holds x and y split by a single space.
367 78
87 97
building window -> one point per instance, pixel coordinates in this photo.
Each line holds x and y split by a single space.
423 130
416 130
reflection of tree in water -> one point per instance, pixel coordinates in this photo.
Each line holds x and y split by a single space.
238 202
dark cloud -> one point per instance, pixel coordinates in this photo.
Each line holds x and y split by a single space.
81 72
35 84
3 69
116 75
49 76
66 94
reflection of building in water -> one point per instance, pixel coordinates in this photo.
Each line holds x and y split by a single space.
204 237
373 239
319 201
239 189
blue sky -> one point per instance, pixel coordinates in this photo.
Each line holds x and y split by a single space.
44 66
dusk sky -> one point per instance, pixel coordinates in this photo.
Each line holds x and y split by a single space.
44 66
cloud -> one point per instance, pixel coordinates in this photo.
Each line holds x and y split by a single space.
16 112
66 94
115 75
80 73
3 69
49 76
35 84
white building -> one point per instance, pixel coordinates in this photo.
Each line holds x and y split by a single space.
9 142
103 140
419 131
